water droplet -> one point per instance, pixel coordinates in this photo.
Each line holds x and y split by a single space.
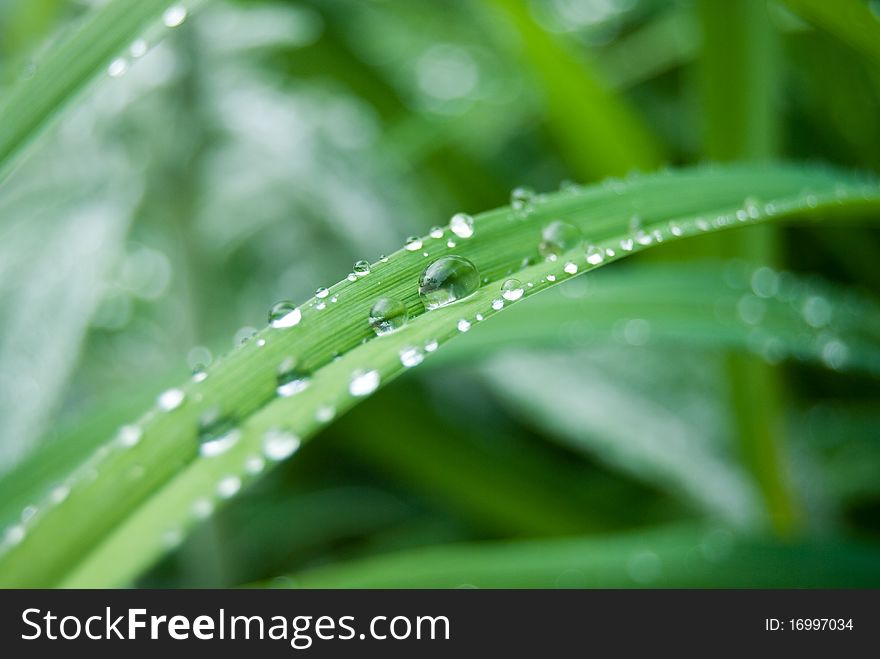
411 356
362 268
363 382
522 201
14 535
436 232
463 325
558 237
595 255
117 67
450 244
352 277
431 345
512 290
325 413
217 433
321 293
199 374
387 315
138 48
261 343
129 435
284 314
229 487
202 508
835 353
551 278
626 244
290 380
174 15
170 399
675 229
254 465
279 444
28 513
462 225
59 494
478 317
570 268
816 311
446 280
497 305
413 244
750 309
383 258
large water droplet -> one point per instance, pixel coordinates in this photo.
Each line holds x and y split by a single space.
290 379
284 314
217 433
170 399
387 315
279 444
512 290
446 280
363 382
558 237
362 268
462 225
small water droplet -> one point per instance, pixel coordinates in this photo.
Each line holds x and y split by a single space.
117 67
254 465
217 433
512 290
174 15
138 48
557 238
14 535
413 244
551 278
325 413
261 343
387 315
228 487
363 382
595 255
463 325
290 380
362 268
279 444
59 494
522 200
411 356
202 508
383 258
321 293
199 374
462 225
352 277
170 399
626 244
129 435
436 232
497 305
446 280
570 268
284 314
432 345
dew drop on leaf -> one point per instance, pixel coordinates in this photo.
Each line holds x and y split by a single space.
522 201
447 280
558 237
362 268
321 293
279 444
363 382
413 244
217 433
463 325
512 290
170 399
284 314
595 255
388 314
411 356
462 225
290 379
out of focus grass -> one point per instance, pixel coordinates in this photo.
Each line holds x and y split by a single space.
255 151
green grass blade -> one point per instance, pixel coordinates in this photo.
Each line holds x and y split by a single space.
67 67
661 558
851 21
126 502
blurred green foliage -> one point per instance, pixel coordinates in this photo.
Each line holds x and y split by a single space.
260 148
